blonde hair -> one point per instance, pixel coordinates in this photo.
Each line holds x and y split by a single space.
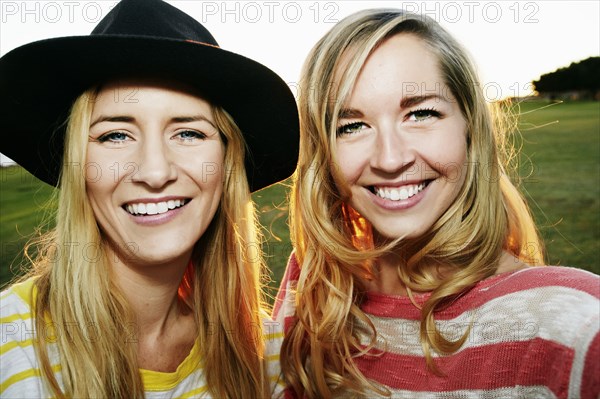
333 243
222 287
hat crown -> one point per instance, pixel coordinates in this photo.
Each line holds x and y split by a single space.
152 18
143 38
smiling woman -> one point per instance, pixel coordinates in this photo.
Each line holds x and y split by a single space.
149 286
431 139
171 137
416 270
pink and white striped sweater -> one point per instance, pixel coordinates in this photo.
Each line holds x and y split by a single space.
535 334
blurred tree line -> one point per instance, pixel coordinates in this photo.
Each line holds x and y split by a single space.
582 76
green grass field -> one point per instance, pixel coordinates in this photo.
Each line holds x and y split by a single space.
559 166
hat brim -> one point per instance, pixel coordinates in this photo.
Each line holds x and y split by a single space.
40 81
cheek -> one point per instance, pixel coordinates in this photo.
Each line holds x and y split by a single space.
351 162
448 151
103 175
206 172
207 169
104 169
107 176
97 178
452 162
98 192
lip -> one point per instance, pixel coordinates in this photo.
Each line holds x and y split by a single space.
157 219
391 205
153 220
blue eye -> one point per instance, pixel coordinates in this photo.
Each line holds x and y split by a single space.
350 128
190 135
115 137
421 115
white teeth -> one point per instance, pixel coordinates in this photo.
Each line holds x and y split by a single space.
153 208
401 193
162 207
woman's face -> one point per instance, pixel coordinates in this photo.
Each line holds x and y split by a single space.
154 171
401 140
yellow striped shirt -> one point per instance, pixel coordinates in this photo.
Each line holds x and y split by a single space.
20 375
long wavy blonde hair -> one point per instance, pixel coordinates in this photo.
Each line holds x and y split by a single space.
222 286
332 242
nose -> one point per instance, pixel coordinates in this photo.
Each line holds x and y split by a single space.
393 150
155 166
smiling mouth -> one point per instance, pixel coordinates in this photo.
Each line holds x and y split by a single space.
154 208
399 193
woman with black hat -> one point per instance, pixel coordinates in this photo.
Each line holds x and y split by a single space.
149 285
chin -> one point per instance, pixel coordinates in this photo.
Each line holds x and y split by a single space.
390 233
160 256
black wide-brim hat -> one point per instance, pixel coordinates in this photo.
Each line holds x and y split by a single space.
142 38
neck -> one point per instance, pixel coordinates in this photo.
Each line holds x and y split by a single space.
151 293
387 279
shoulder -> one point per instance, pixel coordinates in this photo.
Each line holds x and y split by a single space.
545 290
555 303
16 302
546 318
20 375
561 277
16 312
541 282
563 298
567 304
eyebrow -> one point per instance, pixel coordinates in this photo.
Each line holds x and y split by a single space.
130 119
350 113
104 118
411 101
195 118
406 102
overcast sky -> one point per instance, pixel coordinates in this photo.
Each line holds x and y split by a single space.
512 42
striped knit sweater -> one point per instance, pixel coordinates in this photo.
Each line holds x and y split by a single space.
20 372
534 334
